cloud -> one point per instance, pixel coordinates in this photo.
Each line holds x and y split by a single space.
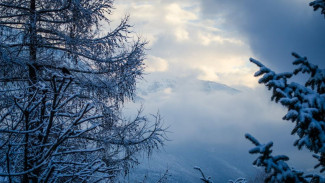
155 18
221 119
273 29
178 18
213 40
176 15
156 64
189 43
207 39
216 38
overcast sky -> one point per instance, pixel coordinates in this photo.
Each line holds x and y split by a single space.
213 40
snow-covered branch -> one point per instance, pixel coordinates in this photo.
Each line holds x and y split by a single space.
318 4
62 90
306 108
275 166
305 103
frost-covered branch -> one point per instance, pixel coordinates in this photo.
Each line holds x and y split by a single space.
305 103
238 180
275 166
203 178
63 83
306 108
318 4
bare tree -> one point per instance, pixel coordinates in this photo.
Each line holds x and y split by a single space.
63 83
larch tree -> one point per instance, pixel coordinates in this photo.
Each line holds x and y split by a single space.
306 109
63 82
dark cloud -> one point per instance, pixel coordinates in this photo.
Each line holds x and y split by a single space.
274 28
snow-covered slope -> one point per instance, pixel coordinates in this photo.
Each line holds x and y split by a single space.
146 88
179 160
176 99
210 86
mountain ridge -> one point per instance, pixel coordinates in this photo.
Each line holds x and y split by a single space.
171 85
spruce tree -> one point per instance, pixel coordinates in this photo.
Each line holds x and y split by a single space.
306 109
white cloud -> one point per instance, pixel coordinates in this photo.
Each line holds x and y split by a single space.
181 34
156 64
233 71
208 38
178 16
177 33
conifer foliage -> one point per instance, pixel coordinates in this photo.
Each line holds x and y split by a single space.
63 82
306 109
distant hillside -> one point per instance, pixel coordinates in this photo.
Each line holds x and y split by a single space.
180 160
146 88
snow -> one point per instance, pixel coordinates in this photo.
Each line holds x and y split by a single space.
305 106
63 84
318 4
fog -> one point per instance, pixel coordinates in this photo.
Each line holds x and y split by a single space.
208 126
212 40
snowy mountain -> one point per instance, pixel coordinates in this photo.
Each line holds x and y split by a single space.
179 161
146 88
210 86
172 97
